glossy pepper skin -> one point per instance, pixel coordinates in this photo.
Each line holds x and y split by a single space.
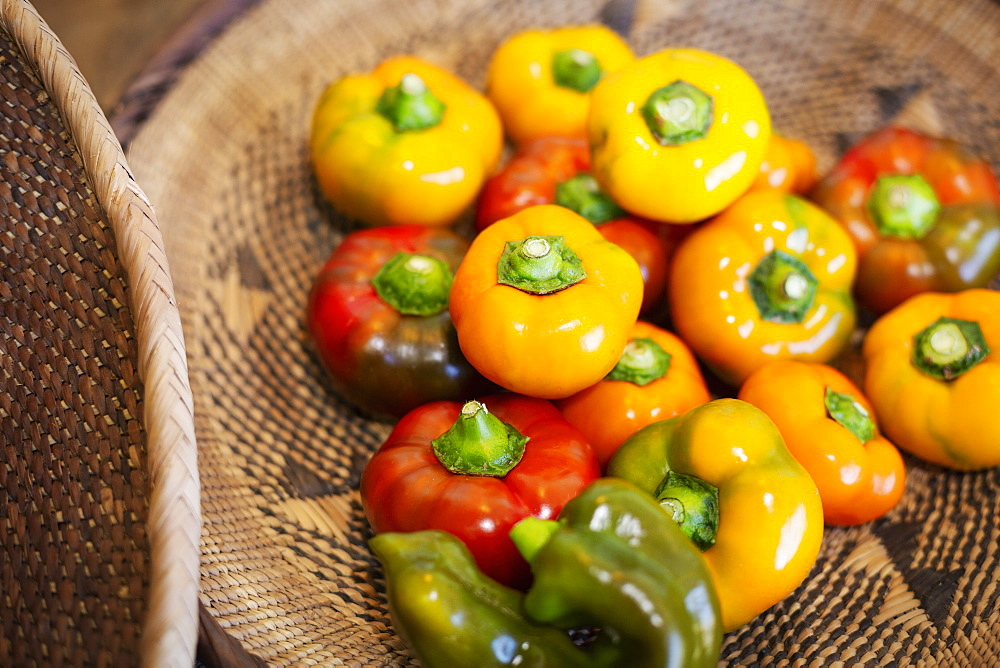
540 79
789 166
409 483
616 562
922 212
769 278
770 517
935 386
565 336
387 351
830 428
450 614
555 170
656 378
678 135
407 143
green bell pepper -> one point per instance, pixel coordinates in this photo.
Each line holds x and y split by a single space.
616 562
613 565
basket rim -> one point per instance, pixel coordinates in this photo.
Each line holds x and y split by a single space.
169 629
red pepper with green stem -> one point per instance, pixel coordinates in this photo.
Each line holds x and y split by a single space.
923 212
476 469
378 316
555 170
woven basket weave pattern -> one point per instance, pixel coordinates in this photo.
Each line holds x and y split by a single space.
98 483
285 568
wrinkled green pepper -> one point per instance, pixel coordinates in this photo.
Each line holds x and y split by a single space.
613 564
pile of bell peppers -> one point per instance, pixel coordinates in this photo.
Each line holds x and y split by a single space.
618 353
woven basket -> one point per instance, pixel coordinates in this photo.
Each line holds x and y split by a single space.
219 142
99 498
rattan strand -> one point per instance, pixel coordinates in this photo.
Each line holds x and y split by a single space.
100 521
285 568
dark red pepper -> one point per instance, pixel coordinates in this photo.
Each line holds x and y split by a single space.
378 317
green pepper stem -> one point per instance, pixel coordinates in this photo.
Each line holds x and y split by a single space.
414 284
539 265
576 69
903 205
949 347
479 443
694 505
530 534
678 113
642 362
582 194
410 105
846 411
782 287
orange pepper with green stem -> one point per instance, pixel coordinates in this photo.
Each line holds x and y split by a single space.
656 378
830 428
408 143
543 304
932 372
723 472
540 80
769 278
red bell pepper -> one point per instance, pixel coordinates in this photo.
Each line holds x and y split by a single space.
475 470
378 317
923 214
555 170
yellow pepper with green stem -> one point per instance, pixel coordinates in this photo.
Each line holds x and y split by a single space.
408 143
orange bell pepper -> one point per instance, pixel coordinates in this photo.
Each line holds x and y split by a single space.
656 378
789 166
540 80
769 278
932 372
543 304
829 426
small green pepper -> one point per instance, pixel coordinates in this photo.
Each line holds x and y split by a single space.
614 569
614 561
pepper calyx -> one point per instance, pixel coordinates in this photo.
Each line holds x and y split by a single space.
678 113
903 205
414 284
846 411
949 347
642 361
539 265
479 443
410 105
576 69
582 194
693 504
783 287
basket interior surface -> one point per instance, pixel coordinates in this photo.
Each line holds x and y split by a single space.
285 568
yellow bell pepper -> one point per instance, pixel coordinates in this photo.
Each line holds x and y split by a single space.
678 135
543 304
769 278
540 80
932 373
408 143
724 473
